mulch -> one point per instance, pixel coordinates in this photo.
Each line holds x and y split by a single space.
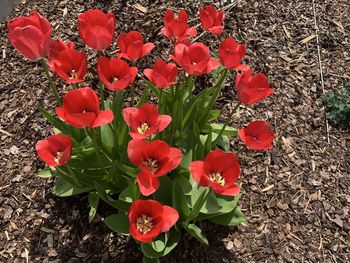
295 197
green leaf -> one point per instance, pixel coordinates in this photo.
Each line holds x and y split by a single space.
236 217
107 137
118 204
186 159
198 204
214 114
217 127
179 201
173 240
144 97
56 122
118 223
46 173
196 232
126 195
163 193
159 243
93 201
62 188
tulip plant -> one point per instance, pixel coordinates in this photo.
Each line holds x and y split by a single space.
163 166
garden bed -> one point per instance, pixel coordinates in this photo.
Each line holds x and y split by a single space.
296 196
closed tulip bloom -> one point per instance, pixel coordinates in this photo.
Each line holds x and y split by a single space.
81 108
231 53
145 121
195 59
211 19
69 65
155 159
57 46
132 47
115 73
96 28
176 29
149 218
56 150
219 170
162 74
257 136
30 35
252 88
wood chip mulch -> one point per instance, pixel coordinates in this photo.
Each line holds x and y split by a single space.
296 196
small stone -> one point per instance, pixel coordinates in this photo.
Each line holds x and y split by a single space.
27 168
238 244
14 150
229 245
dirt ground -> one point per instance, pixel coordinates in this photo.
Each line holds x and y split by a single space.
296 196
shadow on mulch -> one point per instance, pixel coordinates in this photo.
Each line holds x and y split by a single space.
77 240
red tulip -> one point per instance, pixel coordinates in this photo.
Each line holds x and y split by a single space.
211 19
162 75
81 108
176 29
219 170
145 121
148 218
195 59
132 47
252 88
115 73
30 35
56 150
70 65
96 28
257 135
155 159
231 53
57 46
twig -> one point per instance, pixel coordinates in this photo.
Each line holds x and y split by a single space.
5 132
320 66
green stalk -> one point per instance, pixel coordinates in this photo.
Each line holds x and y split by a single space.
92 134
102 95
51 82
132 94
227 120
71 173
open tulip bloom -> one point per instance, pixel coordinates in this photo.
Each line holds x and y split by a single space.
162 166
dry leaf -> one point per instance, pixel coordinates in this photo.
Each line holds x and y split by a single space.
307 39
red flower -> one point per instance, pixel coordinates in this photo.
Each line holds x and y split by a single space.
132 47
115 73
148 218
96 28
145 121
81 107
176 29
155 159
257 135
219 170
56 150
195 59
69 65
30 35
231 53
211 19
162 75
57 46
252 88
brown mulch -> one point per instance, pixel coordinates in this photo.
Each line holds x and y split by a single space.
296 196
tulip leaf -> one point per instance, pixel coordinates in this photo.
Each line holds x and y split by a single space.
214 114
196 232
179 201
183 181
126 195
198 204
159 244
235 217
107 137
144 97
62 188
173 240
163 193
46 173
217 127
118 223
186 159
118 204
56 122
93 201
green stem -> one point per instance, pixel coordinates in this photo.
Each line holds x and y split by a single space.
92 134
132 94
102 95
71 173
51 82
227 121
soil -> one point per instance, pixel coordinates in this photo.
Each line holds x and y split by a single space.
295 197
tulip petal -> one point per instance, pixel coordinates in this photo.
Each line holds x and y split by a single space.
147 48
147 183
198 173
170 217
230 191
103 118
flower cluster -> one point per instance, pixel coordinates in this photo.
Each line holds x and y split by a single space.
167 164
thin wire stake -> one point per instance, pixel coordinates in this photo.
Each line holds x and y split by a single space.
320 65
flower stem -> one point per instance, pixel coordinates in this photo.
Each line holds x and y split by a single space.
71 173
51 82
227 120
92 134
132 94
